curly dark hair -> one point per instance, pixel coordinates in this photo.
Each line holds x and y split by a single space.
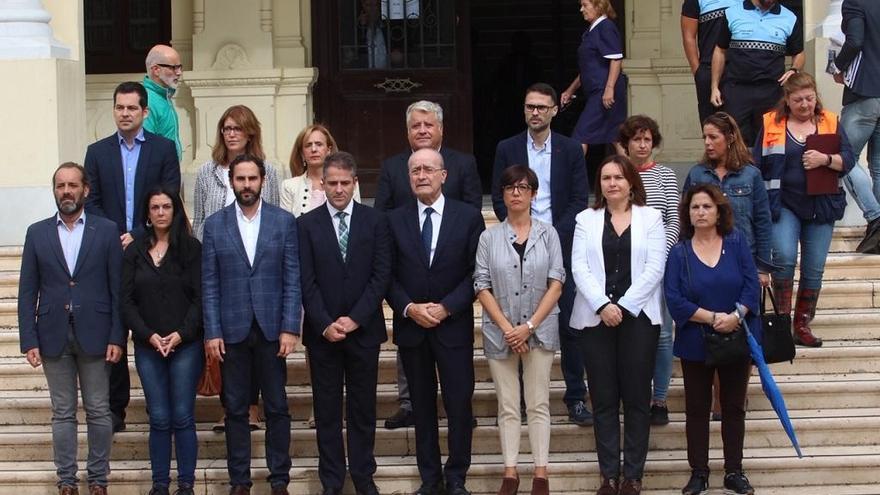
636 124
725 212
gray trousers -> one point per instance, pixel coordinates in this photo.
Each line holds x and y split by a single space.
93 373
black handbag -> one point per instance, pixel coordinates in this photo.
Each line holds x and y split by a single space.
721 348
778 342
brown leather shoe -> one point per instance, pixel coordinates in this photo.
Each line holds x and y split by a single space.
68 490
97 490
540 486
610 486
509 486
630 487
240 490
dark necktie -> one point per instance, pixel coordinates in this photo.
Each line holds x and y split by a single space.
428 232
343 234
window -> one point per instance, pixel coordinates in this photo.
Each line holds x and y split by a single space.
119 33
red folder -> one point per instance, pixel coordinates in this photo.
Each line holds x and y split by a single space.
823 180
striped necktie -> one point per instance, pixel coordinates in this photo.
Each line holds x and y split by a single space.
343 233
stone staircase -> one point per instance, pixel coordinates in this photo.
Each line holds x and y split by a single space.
833 395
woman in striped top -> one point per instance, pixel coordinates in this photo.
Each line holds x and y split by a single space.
639 135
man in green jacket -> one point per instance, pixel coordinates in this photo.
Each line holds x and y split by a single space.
163 74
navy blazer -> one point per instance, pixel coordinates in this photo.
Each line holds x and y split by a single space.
568 180
157 165
354 287
448 280
47 289
861 25
462 180
234 293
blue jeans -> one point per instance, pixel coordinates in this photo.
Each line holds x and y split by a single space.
861 123
93 375
663 361
170 390
814 238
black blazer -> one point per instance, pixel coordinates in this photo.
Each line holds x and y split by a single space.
157 165
449 279
861 25
48 292
162 299
462 180
354 287
568 180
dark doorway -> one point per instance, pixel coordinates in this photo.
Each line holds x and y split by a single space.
516 43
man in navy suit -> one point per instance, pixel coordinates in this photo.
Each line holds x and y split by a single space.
251 300
424 129
121 168
68 320
558 161
344 325
432 294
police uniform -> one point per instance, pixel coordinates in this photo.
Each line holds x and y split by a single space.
757 43
711 20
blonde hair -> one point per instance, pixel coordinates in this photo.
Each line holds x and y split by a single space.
297 167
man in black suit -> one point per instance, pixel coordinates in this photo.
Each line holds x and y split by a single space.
121 168
432 294
424 124
859 61
344 325
558 161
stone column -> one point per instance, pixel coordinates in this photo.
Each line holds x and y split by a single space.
43 98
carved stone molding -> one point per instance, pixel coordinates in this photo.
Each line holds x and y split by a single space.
198 16
266 16
239 81
231 56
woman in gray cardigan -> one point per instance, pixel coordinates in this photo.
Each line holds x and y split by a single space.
518 280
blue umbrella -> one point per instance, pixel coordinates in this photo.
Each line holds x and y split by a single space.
771 390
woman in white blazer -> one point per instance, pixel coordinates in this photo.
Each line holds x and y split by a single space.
303 191
617 260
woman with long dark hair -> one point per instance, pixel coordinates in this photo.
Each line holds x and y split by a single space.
162 305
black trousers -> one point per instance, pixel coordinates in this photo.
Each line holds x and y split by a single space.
620 366
334 366
455 367
734 381
703 84
748 102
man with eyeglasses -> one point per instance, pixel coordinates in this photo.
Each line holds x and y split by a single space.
432 294
558 161
163 75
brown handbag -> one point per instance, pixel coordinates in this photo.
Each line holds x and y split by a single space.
210 382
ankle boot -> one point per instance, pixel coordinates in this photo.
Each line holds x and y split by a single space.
804 311
782 289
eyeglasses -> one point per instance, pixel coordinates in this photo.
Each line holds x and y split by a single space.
520 188
427 170
540 108
231 129
172 67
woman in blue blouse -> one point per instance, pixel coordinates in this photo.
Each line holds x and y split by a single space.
600 60
707 275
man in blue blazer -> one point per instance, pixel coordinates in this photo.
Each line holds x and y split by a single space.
251 305
122 168
424 129
432 293
68 321
345 255
558 161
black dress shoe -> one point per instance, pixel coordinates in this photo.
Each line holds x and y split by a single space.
327 491
370 489
871 243
431 489
457 489
118 422
401 419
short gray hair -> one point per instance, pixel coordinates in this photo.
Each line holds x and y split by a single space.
425 106
341 160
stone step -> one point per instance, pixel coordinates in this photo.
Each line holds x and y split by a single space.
852 427
840 391
833 357
771 470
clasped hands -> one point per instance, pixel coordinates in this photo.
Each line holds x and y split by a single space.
517 338
165 345
339 329
427 315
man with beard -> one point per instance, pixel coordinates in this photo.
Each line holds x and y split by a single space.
121 168
558 161
344 326
163 75
251 306
750 55
68 320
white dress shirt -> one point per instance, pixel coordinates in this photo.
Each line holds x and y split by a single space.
333 211
249 229
436 218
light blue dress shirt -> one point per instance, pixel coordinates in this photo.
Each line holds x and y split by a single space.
130 158
71 239
539 162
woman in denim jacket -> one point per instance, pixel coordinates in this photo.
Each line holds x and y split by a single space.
727 164
518 279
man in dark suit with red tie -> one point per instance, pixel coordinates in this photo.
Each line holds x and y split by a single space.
434 248
344 325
